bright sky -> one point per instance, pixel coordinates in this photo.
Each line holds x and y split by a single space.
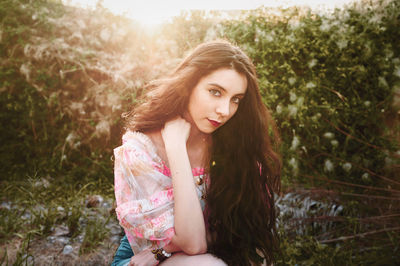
151 12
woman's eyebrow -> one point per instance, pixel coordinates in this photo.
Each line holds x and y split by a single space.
222 88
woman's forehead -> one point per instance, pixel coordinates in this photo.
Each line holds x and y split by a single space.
227 79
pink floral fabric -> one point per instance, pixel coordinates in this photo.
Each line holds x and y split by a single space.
143 192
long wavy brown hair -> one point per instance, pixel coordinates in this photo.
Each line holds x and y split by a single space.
244 166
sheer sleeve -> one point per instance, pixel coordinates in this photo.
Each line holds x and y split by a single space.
143 193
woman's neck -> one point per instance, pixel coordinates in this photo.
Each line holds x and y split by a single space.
197 137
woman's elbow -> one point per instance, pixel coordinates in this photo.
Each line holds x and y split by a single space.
199 247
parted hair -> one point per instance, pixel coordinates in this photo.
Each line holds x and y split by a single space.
243 163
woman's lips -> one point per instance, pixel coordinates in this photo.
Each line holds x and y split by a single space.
214 123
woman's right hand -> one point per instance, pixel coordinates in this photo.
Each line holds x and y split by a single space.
189 224
175 132
143 258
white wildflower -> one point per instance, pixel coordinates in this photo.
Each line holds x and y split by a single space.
121 32
95 42
260 35
293 162
34 17
25 70
278 109
300 101
365 177
367 103
138 83
328 166
294 24
81 24
304 148
329 135
295 165
193 30
337 23
345 15
292 80
211 34
342 44
43 182
291 37
312 63
105 35
269 37
292 110
375 19
361 68
396 71
76 106
70 139
334 143
260 32
382 82
388 161
113 100
103 128
389 53
325 26
76 35
310 85
295 143
76 145
347 166
293 96
45 10
367 49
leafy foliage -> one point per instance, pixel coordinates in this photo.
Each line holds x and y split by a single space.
331 80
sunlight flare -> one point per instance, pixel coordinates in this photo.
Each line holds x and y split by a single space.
153 12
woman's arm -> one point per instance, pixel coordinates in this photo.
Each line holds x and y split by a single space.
190 232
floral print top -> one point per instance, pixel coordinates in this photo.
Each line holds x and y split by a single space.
144 194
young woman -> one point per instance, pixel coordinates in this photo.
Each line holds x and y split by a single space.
197 171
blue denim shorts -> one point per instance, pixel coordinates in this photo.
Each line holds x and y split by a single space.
124 253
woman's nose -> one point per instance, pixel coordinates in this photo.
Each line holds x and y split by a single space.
223 108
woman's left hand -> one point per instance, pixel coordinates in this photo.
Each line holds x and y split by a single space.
143 258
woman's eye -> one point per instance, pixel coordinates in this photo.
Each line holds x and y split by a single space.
215 92
236 100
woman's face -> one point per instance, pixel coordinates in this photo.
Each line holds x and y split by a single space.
216 98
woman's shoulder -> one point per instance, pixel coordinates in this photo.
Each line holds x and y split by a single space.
137 140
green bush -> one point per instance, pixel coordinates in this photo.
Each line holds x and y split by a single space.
66 76
331 82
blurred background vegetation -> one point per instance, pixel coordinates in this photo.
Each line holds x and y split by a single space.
332 82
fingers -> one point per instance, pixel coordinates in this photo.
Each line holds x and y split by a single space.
176 130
